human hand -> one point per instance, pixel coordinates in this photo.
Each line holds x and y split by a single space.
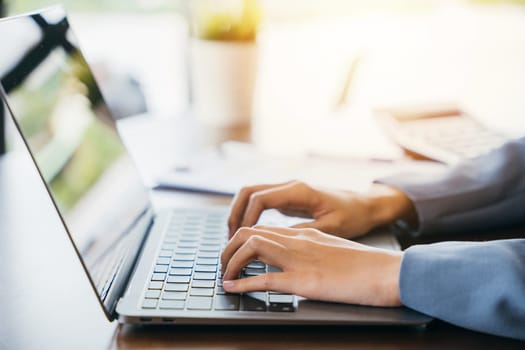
314 265
342 213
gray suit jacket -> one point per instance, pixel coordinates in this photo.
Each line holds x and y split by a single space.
480 286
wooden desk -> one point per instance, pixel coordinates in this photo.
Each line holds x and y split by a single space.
46 301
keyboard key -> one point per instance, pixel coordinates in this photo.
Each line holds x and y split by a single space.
185 251
213 231
174 295
205 268
183 257
263 296
212 235
281 303
256 264
161 268
214 248
211 244
274 269
202 292
163 261
228 302
281 307
189 245
173 232
204 276
165 254
176 287
178 279
191 229
158 277
188 240
182 264
171 304
152 294
208 254
199 303
253 272
216 220
193 225
207 261
254 302
155 285
170 239
180 272
217 240
220 290
281 298
149 303
203 284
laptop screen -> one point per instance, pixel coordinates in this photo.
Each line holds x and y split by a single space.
71 135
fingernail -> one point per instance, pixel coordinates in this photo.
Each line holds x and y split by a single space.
228 284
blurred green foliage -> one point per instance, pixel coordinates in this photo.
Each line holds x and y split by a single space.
97 148
36 114
213 22
96 152
19 6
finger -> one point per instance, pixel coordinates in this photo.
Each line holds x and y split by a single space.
239 205
255 248
296 212
320 231
285 231
294 195
325 223
274 281
316 224
241 236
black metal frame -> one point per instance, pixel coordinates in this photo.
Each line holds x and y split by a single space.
52 35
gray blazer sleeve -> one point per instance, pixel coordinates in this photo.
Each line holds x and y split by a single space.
480 286
484 193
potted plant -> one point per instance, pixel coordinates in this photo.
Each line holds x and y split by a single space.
223 60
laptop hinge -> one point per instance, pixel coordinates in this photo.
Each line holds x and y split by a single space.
138 234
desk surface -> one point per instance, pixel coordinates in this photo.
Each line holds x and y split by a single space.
46 301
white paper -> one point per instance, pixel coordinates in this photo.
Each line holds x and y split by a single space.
226 172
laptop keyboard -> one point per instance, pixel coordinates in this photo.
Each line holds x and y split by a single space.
187 274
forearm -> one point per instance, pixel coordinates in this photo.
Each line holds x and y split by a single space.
480 286
480 194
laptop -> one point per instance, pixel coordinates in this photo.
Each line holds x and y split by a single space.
144 267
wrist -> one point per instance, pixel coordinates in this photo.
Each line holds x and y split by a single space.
390 280
388 204
380 280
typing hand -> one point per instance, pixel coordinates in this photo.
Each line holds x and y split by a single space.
341 213
314 265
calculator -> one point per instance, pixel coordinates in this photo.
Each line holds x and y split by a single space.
441 132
